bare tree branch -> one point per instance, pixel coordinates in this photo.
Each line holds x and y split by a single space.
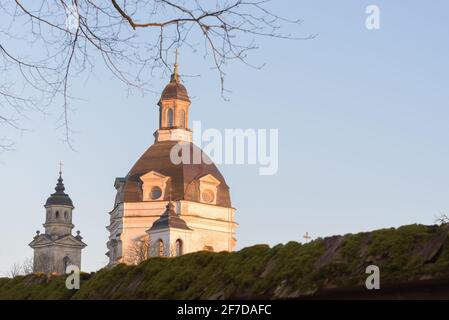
14 271
139 250
442 219
45 44
24 268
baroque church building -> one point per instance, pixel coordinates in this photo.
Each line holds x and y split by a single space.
57 248
167 209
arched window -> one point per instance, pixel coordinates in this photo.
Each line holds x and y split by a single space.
161 248
170 117
65 215
57 214
181 118
179 248
66 263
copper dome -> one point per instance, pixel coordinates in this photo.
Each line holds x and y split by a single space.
175 90
184 178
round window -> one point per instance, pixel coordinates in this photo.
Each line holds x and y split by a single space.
208 196
156 193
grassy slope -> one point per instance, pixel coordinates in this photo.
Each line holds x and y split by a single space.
289 270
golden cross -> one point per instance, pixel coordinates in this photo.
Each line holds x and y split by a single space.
176 56
175 69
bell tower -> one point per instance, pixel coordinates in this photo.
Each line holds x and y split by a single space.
174 110
57 248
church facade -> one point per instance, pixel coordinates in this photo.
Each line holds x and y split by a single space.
163 208
57 248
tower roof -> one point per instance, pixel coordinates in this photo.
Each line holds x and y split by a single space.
59 197
175 89
169 219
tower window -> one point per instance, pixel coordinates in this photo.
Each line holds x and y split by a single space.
65 215
178 246
57 214
170 117
156 193
161 248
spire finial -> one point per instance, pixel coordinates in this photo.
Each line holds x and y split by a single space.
60 185
176 56
170 207
175 75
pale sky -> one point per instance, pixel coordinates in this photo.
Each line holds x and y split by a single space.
363 132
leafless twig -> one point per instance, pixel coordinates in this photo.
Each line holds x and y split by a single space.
442 219
45 44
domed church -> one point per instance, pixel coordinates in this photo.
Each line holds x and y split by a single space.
168 209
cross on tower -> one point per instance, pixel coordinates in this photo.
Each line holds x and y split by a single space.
60 167
176 56
307 237
175 76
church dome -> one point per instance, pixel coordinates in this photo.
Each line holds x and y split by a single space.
59 197
175 91
184 179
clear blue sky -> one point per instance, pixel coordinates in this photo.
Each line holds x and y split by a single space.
362 118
